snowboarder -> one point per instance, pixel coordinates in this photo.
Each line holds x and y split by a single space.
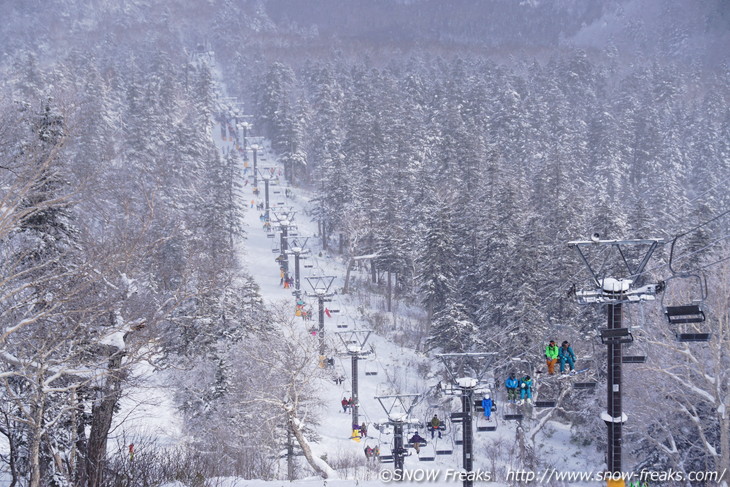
526 389
511 384
551 356
435 425
566 355
487 404
416 440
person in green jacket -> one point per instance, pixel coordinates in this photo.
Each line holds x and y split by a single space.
551 356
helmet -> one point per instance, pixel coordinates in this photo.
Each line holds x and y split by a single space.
486 396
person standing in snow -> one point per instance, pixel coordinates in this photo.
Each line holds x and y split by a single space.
551 356
566 356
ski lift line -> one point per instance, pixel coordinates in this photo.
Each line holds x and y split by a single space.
714 263
687 255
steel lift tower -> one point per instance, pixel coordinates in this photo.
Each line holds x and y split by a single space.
627 257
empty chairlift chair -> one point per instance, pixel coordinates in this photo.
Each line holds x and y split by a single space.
683 317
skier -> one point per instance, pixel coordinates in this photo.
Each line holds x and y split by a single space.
344 404
368 452
363 430
566 355
487 404
435 425
416 440
551 356
511 384
526 389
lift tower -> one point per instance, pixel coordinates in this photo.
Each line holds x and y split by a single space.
627 257
354 342
466 371
320 289
297 246
398 408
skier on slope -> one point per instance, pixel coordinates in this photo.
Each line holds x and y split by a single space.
566 356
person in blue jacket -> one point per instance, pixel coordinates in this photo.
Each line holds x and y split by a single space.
511 384
487 404
566 355
526 389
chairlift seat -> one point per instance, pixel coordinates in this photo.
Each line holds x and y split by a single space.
584 385
633 359
616 335
459 442
690 313
513 417
694 337
486 428
444 452
545 404
386 459
426 459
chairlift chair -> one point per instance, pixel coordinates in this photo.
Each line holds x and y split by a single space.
684 313
486 426
371 367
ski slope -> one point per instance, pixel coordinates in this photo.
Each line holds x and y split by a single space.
400 370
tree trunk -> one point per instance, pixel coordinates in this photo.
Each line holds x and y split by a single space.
346 287
35 442
304 444
390 293
324 236
77 458
724 445
101 421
